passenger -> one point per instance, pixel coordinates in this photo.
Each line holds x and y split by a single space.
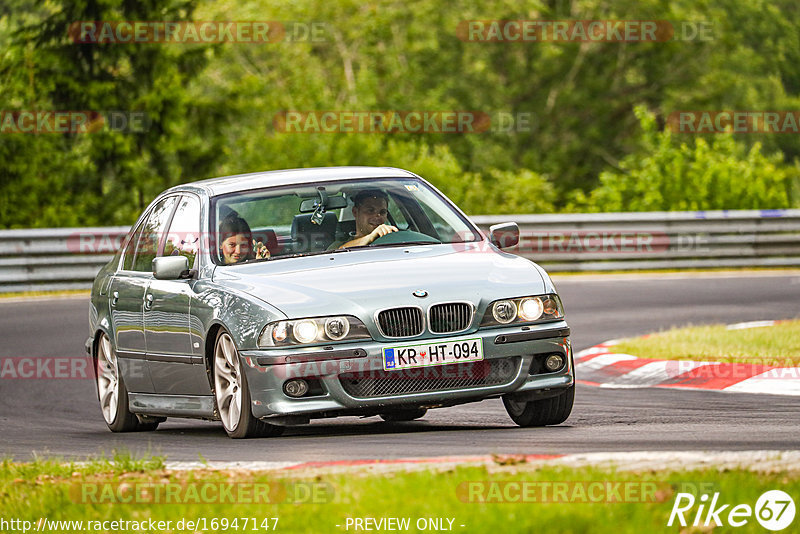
370 210
236 241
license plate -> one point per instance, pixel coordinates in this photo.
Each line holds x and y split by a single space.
432 353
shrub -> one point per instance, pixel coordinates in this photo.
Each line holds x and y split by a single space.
696 175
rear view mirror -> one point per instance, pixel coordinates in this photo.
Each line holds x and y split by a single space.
171 267
504 235
331 203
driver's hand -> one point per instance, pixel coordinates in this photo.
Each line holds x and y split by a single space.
380 231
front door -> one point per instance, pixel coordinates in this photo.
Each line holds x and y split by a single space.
127 297
176 365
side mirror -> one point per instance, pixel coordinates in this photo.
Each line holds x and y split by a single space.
171 267
504 235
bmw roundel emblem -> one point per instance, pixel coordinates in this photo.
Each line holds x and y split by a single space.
421 293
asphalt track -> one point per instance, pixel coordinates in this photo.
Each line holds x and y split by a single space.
61 417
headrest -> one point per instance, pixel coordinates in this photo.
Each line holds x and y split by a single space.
308 236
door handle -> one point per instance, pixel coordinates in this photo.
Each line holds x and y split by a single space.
114 298
148 301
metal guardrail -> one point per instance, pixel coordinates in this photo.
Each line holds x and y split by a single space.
55 258
69 258
658 240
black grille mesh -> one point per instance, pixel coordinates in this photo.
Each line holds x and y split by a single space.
401 322
379 383
450 317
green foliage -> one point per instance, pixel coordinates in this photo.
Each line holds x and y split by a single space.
666 174
513 192
107 176
212 106
518 495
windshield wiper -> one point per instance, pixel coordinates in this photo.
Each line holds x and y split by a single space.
337 250
304 254
348 249
407 243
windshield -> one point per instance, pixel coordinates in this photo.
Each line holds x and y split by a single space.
325 218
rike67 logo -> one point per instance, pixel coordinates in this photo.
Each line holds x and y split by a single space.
774 510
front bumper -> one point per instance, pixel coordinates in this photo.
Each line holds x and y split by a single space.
514 349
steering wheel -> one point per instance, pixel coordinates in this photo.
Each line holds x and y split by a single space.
404 236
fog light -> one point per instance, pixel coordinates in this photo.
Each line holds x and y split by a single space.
554 362
297 387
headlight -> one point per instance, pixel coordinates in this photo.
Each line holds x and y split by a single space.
305 331
312 330
530 309
337 328
523 310
504 311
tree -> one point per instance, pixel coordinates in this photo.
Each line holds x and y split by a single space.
667 174
109 175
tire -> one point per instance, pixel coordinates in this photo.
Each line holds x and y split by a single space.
406 414
232 394
112 393
549 411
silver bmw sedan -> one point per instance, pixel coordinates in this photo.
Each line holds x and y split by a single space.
268 299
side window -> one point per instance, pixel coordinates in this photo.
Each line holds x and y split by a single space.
130 251
183 238
151 233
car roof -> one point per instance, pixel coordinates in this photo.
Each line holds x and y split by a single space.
258 180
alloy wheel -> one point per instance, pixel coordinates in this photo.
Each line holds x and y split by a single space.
107 379
227 385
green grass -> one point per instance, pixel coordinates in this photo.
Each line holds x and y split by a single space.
771 345
317 503
63 293
120 462
706 270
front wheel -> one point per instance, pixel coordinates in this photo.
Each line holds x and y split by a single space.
549 411
232 394
113 394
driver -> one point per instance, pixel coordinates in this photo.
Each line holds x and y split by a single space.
370 210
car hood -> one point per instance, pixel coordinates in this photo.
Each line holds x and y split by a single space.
360 282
